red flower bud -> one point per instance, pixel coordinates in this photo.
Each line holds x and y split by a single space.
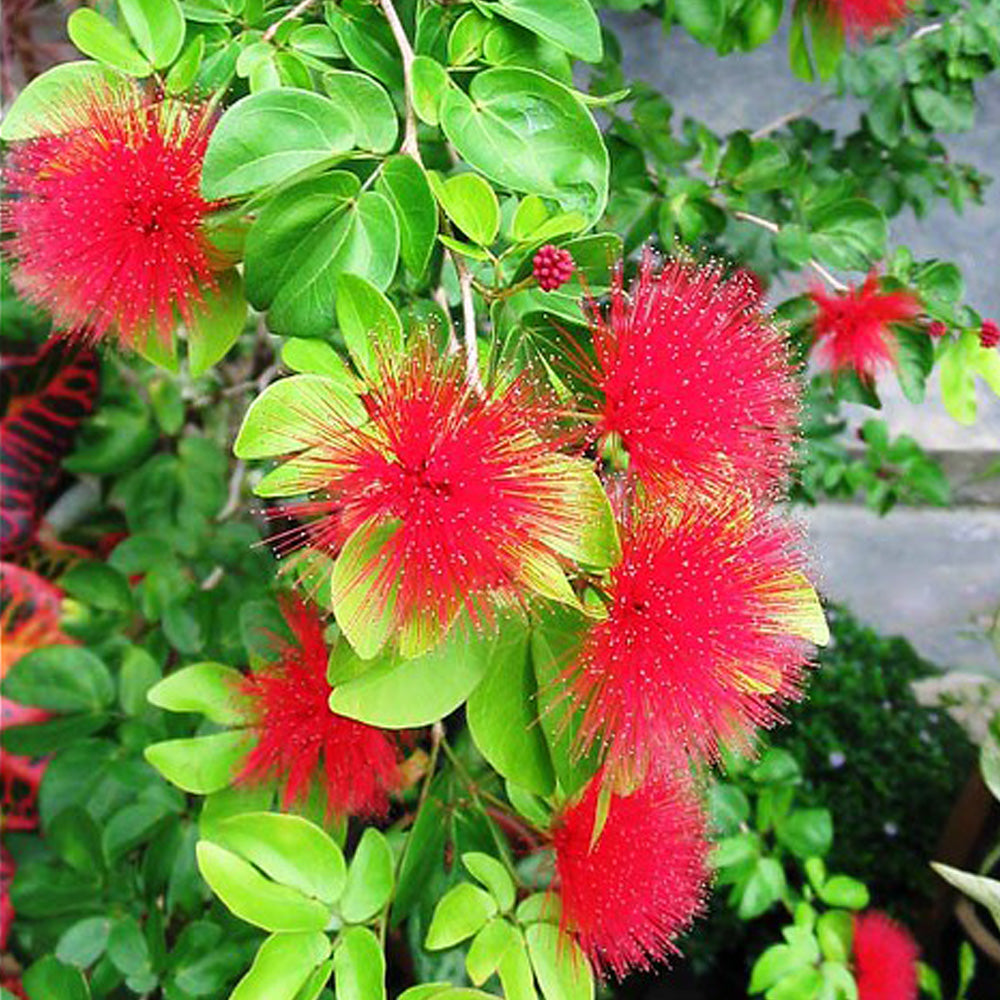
937 329
552 267
989 333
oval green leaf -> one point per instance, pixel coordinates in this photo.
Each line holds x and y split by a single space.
201 764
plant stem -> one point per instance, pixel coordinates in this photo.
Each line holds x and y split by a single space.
773 227
790 116
469 327
406 52
299 8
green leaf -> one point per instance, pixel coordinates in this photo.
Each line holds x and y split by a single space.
914 362
216 321
185 71
369 879
49 979
405 694
561 968
268 137
95 36
526 132
946 111
488 949
704 19
61 679
459 914
40 738
471 204
359 966
849 234
290 849
570 24
503 717
158 28
493 875
841 890
763 888
283 418
515 971
282 965
255 899
834 931
370 324
201 764
316 357
807 832
128 950
98 585
369 107
31 112
316 40
84 943
596 544
209 688
958 383
403 183
430 84
773 965
985 891
309 235
139 672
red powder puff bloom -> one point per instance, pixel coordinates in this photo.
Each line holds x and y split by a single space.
628 893
709 614
299 739
885 959
106 214
853 327
693 380
438 499
863 17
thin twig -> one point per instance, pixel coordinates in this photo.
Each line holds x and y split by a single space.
440 296
406 53
235 493
791 116
773 227
469 327
299 8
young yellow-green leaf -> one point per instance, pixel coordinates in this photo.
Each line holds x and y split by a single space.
291 414
459 914
316 357
488 949
561 968
359 966
201 764
255 899
282 966
841 890
369 879
404 694
542 574
209 688
471 204
95 36
530 214
958 382
290 849
369 323
834 933
493 875
157 26
216 322
31 112
515 971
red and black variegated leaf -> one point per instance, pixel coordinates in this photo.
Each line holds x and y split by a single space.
43 397
29 613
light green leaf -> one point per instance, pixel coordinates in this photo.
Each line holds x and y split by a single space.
282 965
255 899
316 357
526 132
515 971
430 84
290 849
562 969
493 875
201 764
404 184
369 323
31 112
704 19
209 688
570 24
157 26
488 949
503 717
359 966
459 914
369 107
369 879
958 382
217 321
95 36
285 417
841 890
471 204
268 137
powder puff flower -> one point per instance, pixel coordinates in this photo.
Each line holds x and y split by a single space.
106 215
709 617
884 959
853 327
299 740
693 380
437 499
627 893
863 17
